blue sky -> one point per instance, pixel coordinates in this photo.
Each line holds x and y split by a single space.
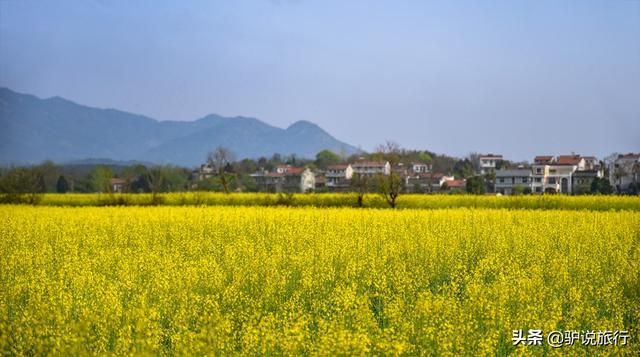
514 77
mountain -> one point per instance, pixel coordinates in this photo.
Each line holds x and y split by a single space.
34 129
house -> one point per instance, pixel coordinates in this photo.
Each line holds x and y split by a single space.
338 176
488 163
425 182
299 179
625 171
268 181
582 180
371 168
457 185
285 178
320 182
118 185
508 181
555 174
205 171
419 168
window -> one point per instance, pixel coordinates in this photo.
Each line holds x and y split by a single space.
538 170
552 171
552 180
524 180
538 179
538 189
501 180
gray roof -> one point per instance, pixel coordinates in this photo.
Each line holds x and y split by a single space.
513 173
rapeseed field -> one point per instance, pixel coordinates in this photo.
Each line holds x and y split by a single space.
277 280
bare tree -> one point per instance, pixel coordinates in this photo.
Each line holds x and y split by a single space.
360 184
218 159
389 186
156 179
474 157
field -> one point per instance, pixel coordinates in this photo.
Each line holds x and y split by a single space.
416 201
302 280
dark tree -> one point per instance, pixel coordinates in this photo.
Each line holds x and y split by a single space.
62 186
360 185
475 185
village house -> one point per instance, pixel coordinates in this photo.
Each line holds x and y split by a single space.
118 185
555 174
299 179
488 163
205 172
625 171
371 168
285 178
420 168
582 180
425 182
338 176
454 185
510 181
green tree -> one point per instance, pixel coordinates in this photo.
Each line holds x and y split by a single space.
326 158
463 168
475 185
62 186
100 178
22 185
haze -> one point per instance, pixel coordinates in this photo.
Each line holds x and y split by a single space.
518 78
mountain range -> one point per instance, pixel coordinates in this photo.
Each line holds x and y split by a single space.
34 129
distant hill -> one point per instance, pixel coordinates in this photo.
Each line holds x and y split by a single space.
34 129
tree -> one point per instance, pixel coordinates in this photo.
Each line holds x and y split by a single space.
601 185
475 185
218 160
22 185
360 184
100 178
474 158
463 168
156 179
326 158
62 186
389 186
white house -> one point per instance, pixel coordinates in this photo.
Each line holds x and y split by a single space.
555 174
338 176
488 163
370 168
420 168
508 180
624 171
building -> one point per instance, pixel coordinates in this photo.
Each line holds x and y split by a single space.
285 178
582 180
338 176
555 174
268 181
299 179
419 168
488 163
118 185
371 168
625 171
205 171
457 185
508 181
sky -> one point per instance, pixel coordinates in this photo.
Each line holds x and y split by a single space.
519 78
